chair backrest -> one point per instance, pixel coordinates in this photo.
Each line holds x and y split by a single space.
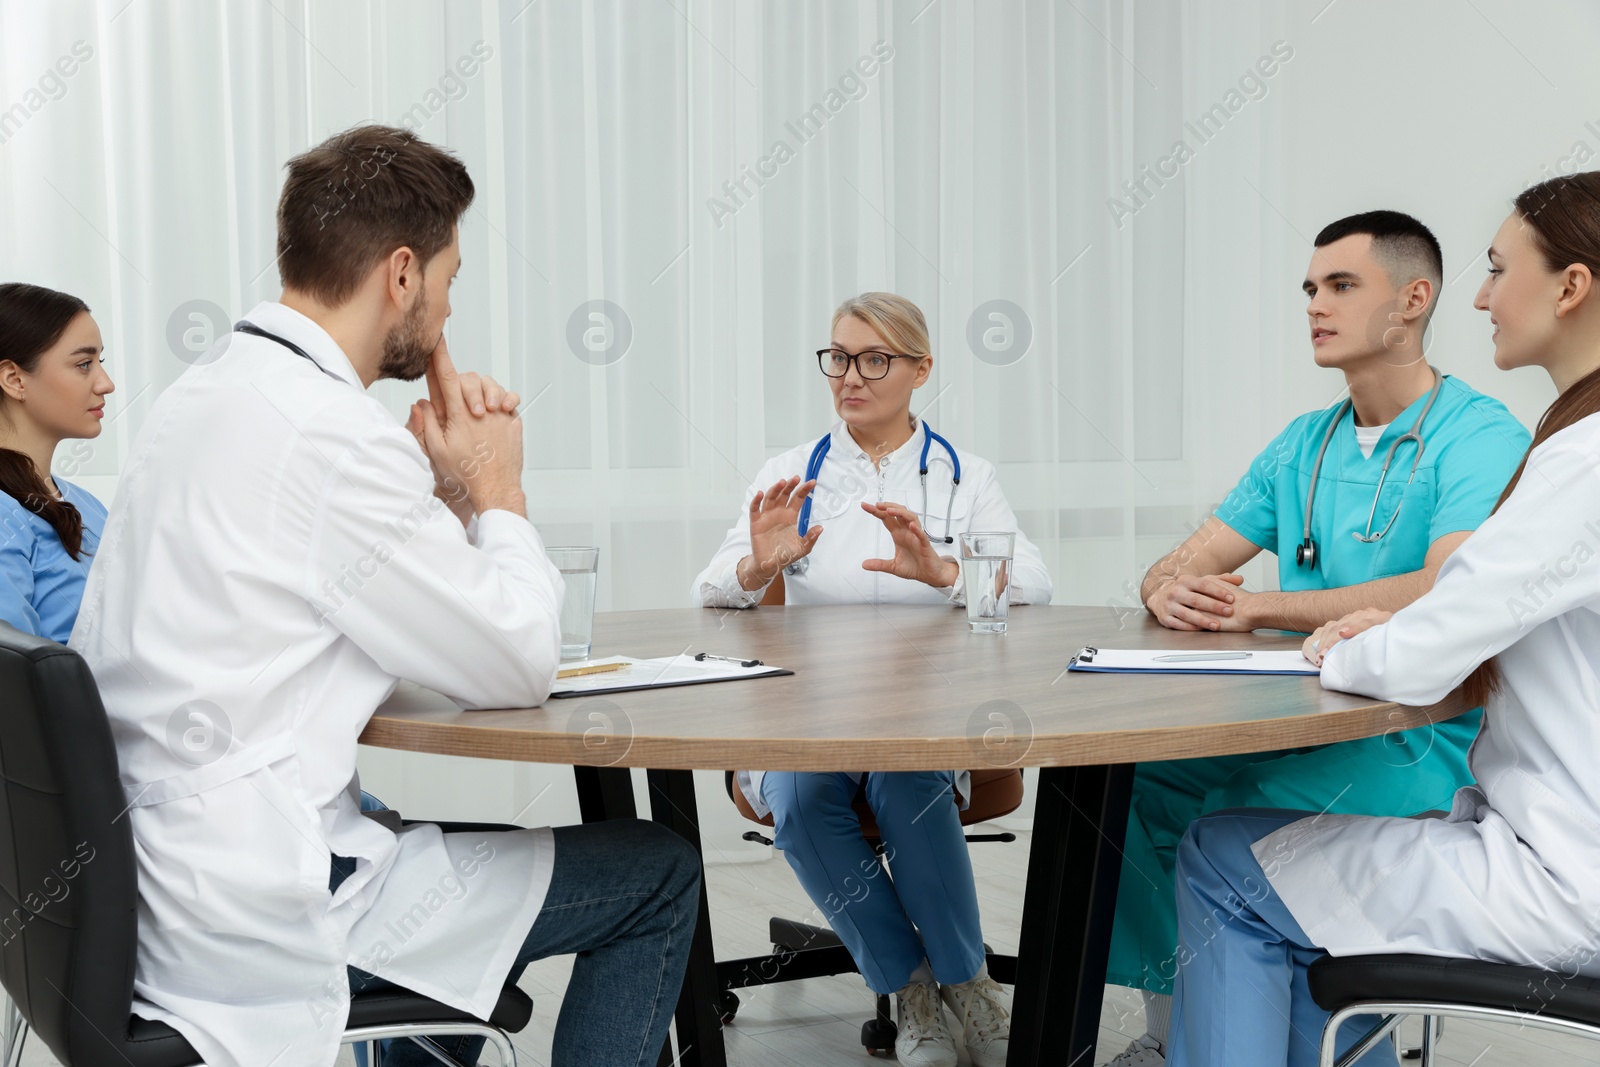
68 885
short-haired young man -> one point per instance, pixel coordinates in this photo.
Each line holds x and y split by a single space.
1375 540
280 554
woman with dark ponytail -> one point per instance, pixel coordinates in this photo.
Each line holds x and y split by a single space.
52 387
1512 873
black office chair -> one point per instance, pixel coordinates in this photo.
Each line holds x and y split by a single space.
1436 987
801 950
68 966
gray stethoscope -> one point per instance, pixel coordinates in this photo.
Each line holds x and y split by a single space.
1305 553
820 453
246 326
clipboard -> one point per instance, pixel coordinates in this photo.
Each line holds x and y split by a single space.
664 673
1150 661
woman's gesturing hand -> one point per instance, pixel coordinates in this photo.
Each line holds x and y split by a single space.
775 540
1330 634
914 555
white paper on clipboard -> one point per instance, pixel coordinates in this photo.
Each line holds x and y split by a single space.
655 673
1174 661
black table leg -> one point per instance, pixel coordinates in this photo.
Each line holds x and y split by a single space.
699 1025
1075 861
607 793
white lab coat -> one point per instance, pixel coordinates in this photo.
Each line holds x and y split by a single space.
274 562
832 573
1513 873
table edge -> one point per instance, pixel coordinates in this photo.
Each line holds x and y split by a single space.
899 753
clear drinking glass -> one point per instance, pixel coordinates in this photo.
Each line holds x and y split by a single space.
986 570
579 572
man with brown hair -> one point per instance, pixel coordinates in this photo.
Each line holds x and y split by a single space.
1362 501
280 554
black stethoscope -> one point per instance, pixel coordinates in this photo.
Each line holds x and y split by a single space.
820 453
1305 553
246 326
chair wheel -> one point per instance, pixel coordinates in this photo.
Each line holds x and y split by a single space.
727 1005
877 1035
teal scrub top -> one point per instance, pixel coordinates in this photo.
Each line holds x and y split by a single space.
41 586
1471 447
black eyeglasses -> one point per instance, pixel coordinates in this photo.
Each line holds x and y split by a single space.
835 363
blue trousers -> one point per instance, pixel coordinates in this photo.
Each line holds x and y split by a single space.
1404 773
927 909
623 896
1241 997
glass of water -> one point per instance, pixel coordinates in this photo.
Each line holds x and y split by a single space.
578 567
986 572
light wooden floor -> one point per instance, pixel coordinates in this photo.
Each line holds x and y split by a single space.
805 1024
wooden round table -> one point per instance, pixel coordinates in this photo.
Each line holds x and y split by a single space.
909 688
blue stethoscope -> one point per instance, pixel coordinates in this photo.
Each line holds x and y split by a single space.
1305 553
820 453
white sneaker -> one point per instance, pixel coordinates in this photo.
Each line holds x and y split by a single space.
980 1007
1145 1052
923 1040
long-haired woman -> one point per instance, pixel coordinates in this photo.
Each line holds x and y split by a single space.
53 387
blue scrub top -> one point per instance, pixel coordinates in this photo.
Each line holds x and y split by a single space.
1472 445
40 585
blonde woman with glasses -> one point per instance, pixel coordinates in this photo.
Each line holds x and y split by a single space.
869 514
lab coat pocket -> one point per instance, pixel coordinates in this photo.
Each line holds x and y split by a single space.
838 494
940 518
946 517
241 856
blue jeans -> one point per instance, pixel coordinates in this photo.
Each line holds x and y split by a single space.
623 896
1404 773
930 907
1241 996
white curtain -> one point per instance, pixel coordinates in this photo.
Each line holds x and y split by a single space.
721 173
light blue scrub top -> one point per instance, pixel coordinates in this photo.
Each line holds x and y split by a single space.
1471 447
40 585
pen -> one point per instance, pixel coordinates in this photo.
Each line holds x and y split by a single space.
703 656
598 668
1202 655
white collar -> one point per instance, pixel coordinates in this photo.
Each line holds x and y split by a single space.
291 325
843 444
